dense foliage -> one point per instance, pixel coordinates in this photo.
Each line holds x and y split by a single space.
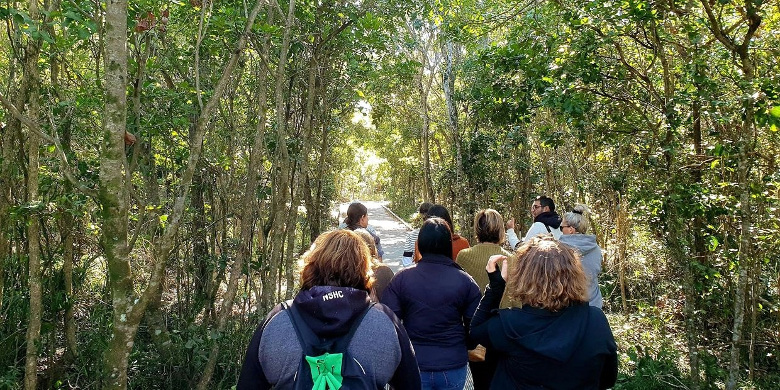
162 165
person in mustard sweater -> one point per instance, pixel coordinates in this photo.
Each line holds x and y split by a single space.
489 230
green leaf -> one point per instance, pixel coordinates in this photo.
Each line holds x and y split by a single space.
46 37
50 148
713 243
775 111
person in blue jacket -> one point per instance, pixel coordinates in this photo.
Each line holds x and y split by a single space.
436 300
550 338
335 285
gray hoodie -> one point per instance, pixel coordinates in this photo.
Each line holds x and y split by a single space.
591 262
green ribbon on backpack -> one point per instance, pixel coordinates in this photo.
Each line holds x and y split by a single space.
326 371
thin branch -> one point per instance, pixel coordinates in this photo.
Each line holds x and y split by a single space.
53 140
201 33
716 29
333 34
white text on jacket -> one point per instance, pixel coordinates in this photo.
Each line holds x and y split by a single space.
332 295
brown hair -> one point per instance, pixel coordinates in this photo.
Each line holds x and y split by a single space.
337 258
489 226
546 274
355 212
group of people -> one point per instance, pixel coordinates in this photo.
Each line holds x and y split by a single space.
520 314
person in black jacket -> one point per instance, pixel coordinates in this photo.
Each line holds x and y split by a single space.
334 293
436 300
550 337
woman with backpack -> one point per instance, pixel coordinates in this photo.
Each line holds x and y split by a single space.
331 325
436 300
550 337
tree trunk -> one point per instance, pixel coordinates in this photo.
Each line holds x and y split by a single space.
308 125
289 267
281 172
200 251
114 197
622 230
448 84
429 194
128 309
744 260
746 146
13 149
33 238
67 232
33 337
321 206
6 180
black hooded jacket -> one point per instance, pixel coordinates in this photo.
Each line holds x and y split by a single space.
549 218
539 349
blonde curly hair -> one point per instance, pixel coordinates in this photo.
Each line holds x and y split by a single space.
546 274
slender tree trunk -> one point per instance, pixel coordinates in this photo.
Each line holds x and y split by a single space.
6 179
621 232
746 144
742 278
34 252
292 219
67 221
448 83
745 254
67 233
746 147
114 197
200 249
281 169
33 337
755 274
428 191
13 156
318 201
308 126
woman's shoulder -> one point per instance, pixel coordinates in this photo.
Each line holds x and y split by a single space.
381 314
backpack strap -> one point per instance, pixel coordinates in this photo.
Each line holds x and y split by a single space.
306 337
548 228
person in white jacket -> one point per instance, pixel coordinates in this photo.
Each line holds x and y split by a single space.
546 221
